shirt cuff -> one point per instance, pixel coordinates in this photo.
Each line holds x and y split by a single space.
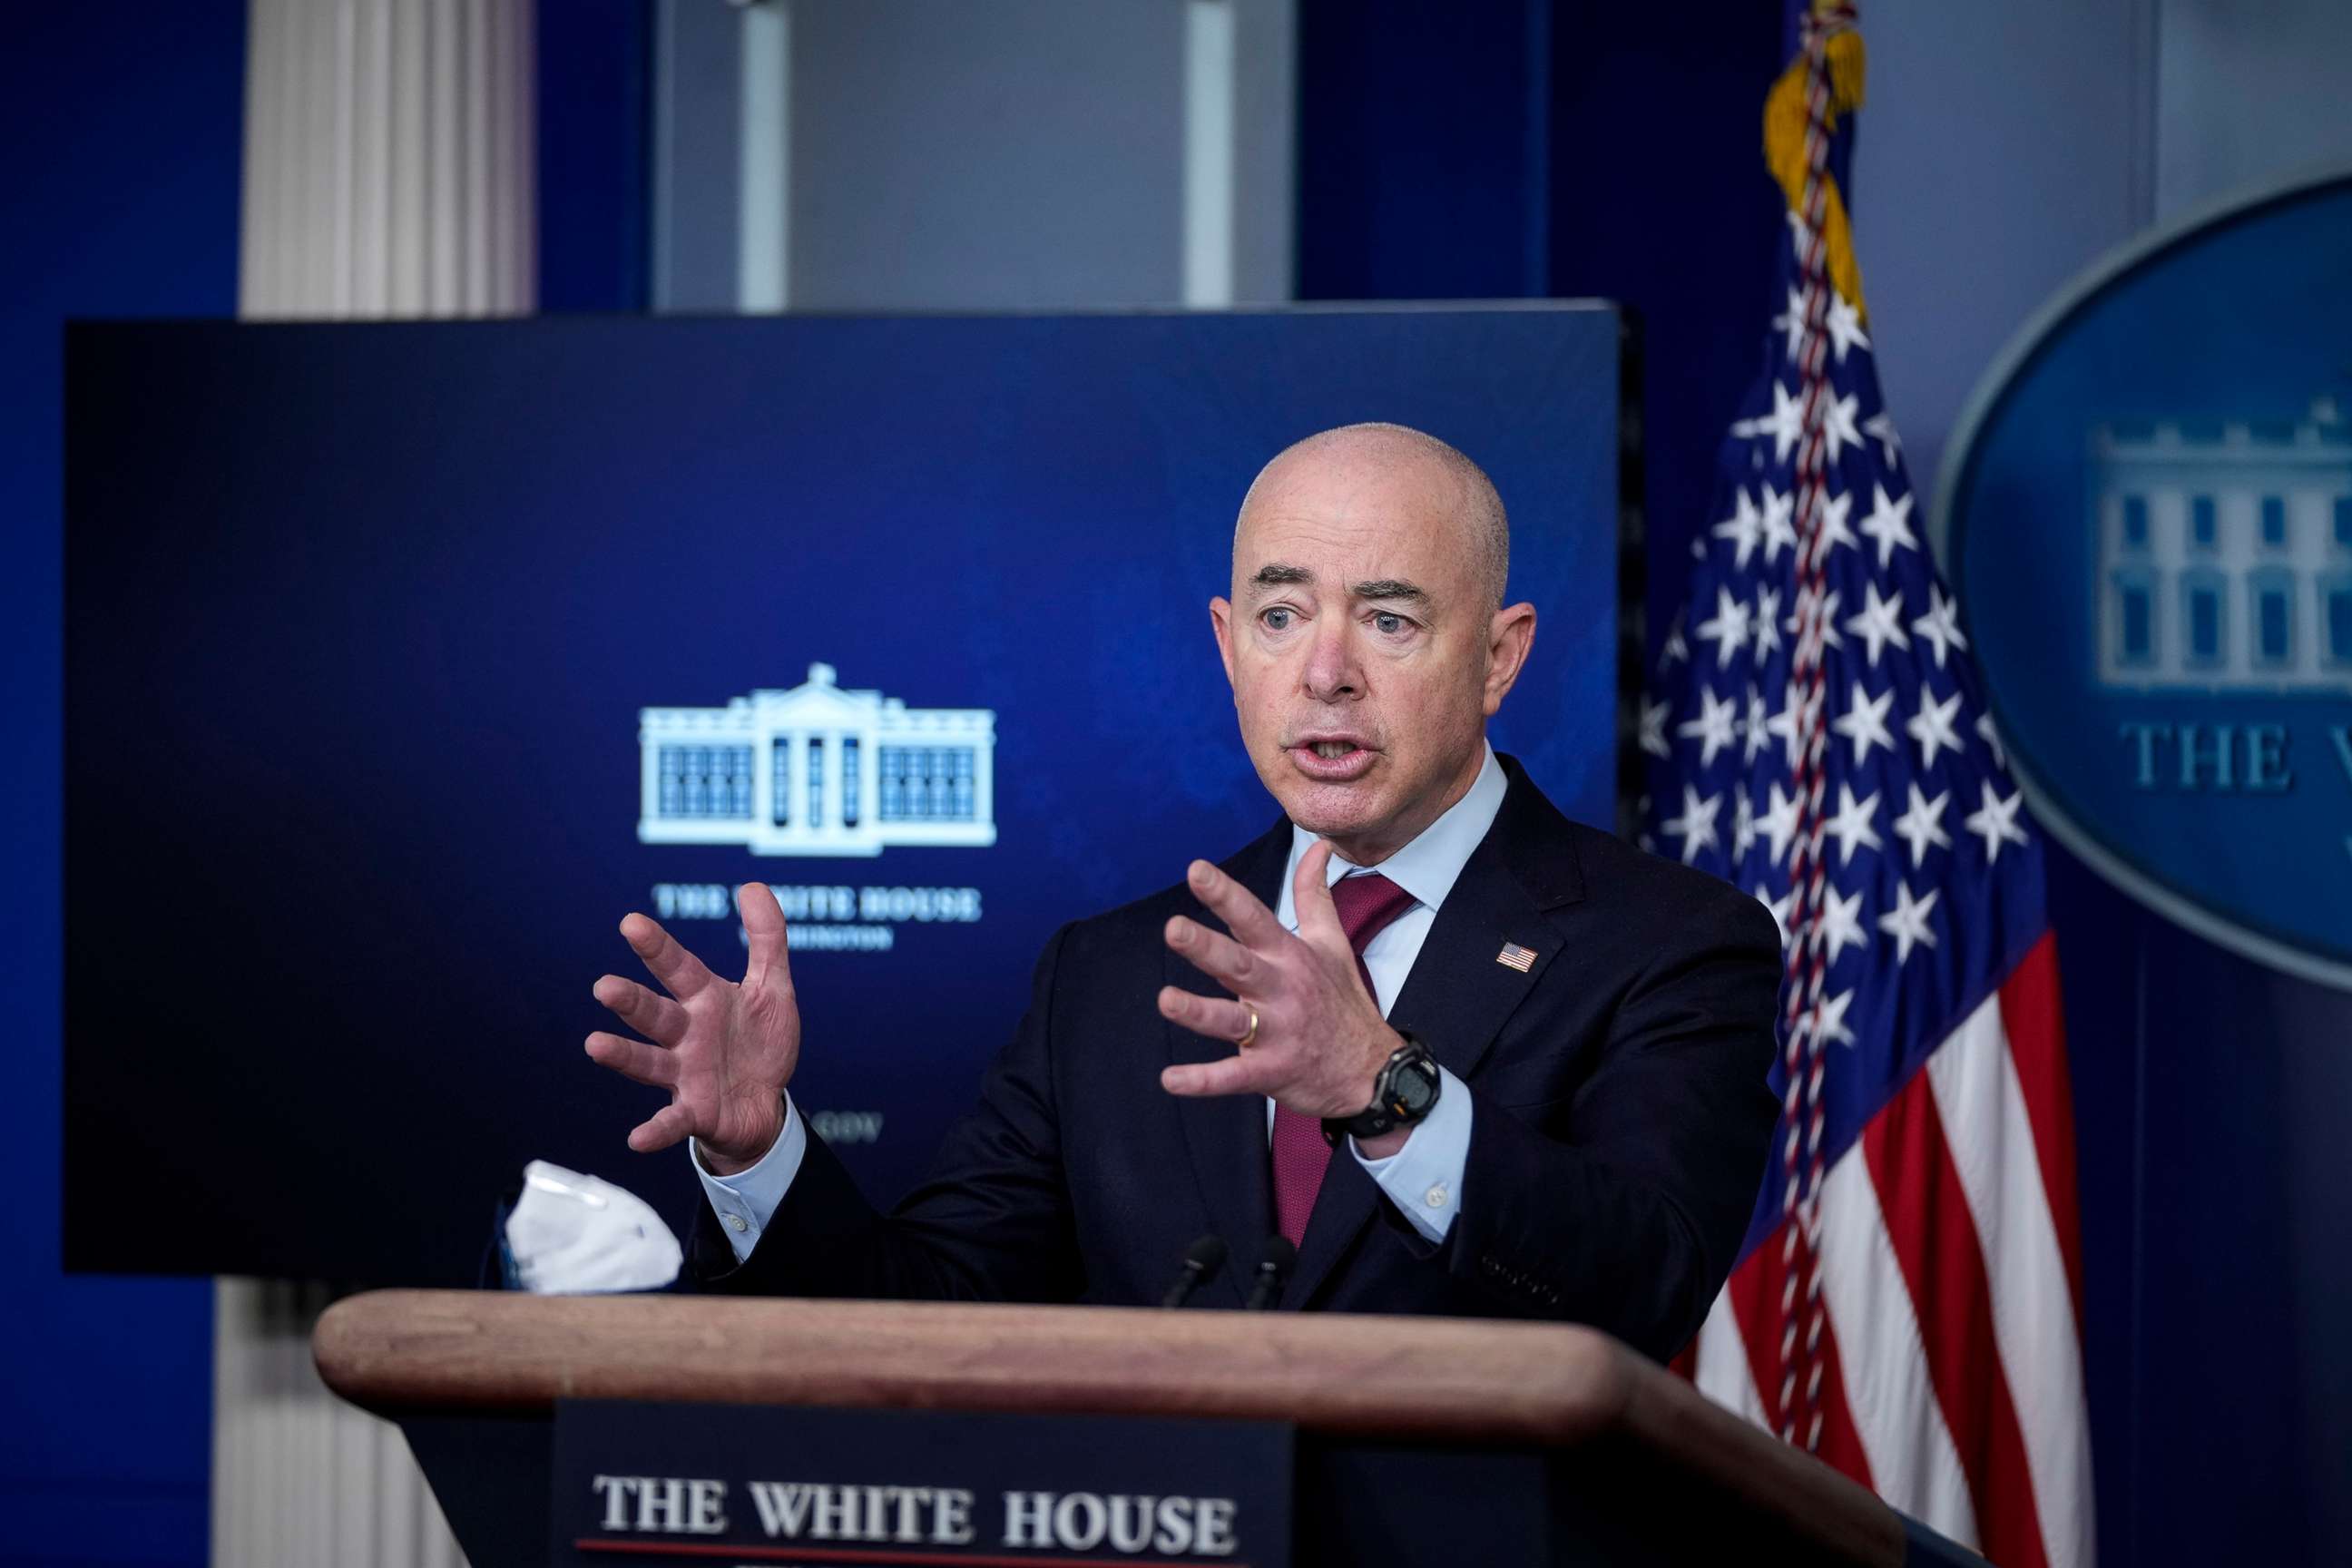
1424 1178
747 1200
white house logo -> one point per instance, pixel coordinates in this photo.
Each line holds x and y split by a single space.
2225 554
2148 523
818 770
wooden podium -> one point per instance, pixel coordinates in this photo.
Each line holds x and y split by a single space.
1417 1440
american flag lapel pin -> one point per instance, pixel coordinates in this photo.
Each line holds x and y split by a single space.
1514 956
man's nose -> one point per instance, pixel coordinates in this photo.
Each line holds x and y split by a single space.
1331 673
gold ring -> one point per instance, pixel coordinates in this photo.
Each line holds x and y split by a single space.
1250 1039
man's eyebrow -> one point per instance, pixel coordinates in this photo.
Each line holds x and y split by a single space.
1391 588
1278 575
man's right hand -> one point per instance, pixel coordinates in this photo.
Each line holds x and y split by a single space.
724 1051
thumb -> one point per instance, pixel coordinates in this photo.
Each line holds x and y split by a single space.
763 930
1311 895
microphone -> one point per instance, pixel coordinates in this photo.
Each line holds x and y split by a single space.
1202 1261
1274 1264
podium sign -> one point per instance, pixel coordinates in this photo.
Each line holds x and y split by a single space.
701 1483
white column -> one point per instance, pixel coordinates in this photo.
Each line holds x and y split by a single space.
1209 153
764 201
388 172
389 159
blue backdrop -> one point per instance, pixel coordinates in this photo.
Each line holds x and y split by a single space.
360 621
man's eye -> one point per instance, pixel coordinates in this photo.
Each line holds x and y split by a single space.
1276 619
1390 625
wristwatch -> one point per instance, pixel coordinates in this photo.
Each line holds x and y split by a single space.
1404 1092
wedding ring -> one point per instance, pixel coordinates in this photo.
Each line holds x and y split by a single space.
1250 1039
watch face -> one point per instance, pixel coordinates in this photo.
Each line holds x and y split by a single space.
1412 1087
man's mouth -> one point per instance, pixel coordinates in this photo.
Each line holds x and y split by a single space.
1337 759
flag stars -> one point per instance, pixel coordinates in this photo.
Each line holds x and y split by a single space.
1995 821
1889 524
1743 826
1713 727
1840 925
1728 627
1786 723
1779 524
1744 528
1879 427
1941 624
1768 622
1851 826
1865 721
1827 1019
1653 728
1790 325
1779 823
1991 738
1695 825
1838 427
1879 623
1906 923
1921 825
1846 328
1675 650
1932 727
1779 908
1756 728
1835 508
1784 424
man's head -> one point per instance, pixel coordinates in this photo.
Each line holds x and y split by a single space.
1366 639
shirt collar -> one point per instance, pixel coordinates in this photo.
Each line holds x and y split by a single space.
1428 866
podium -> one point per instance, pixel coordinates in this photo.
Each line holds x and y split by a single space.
1413 1440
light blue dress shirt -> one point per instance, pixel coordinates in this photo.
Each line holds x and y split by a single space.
1423 1179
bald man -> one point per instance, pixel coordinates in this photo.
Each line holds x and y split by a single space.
1469 1058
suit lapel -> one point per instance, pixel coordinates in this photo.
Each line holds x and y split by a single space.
1458 995
1226 1134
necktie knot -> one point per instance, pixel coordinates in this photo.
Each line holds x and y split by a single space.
1368 904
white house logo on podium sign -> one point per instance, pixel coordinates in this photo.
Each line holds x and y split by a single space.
818 770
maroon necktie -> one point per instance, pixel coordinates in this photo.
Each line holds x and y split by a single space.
1366 905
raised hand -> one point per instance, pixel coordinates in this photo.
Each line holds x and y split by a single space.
724 1051
1320 1040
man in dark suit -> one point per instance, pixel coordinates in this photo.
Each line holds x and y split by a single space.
1468 1057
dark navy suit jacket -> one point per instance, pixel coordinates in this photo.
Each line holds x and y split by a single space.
1621 1116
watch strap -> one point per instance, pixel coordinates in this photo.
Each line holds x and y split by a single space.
1389 1110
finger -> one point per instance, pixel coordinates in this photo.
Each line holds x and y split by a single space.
1251 924
763 927
647 1064
1232 1075
1310 895
680 973
1214 955
1211 1015
662 1129
645 1010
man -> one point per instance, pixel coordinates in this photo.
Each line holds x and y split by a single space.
1470 1057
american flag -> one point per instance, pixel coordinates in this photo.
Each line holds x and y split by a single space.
1907 1303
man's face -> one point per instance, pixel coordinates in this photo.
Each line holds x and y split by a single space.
1363 646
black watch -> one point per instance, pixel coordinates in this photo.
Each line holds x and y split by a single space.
1404 1092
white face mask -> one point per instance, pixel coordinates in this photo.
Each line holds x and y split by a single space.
574 1235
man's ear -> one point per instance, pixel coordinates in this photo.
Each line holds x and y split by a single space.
1221 617
1509 636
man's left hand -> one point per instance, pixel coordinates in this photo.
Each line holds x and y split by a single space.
1320 1040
